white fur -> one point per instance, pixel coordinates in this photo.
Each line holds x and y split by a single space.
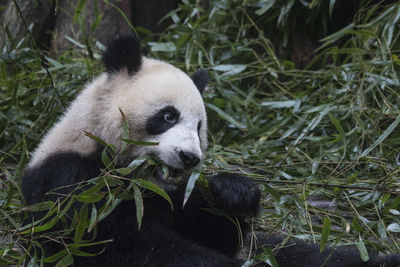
96 110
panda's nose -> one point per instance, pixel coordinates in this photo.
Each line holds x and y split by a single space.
189 159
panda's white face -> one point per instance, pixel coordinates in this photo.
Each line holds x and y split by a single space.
163 105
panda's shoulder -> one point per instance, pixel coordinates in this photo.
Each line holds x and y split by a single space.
68 167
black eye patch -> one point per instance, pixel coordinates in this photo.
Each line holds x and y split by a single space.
163 120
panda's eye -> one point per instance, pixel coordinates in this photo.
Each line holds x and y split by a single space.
170 117
162 120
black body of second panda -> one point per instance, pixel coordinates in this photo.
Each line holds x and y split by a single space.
164 105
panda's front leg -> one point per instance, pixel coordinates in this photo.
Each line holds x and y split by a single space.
235 194
231 196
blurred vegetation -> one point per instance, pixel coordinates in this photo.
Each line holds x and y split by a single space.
322 129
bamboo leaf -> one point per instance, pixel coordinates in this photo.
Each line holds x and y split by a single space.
90 198
152 187
279 104
225 116
265 7
331 6
139 204
326 229
138 161
55 256
394 227
93 218
66 261
362 249
230 70
125 126
82 224
381 138
139 143
191 182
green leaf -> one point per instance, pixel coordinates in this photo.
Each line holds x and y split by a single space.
80 253
394 227
268 189
41 228
90 198
381 138
124 171
82 224
56 256
139 204
162 47
125 126
105 159
266 5
312 124
356 224
394 212
52 222
99 184
225 116
93 218
66 261
100 141
326 229
152 187
188 56
280 104
362 249
338 126
331 6
382 230
140 143
91 244
191 182
230 69
268 257
46 205
336 36
111 204
138 161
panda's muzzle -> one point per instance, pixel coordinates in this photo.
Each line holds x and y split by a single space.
188 159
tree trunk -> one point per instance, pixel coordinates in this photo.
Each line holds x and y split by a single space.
51 23
12 27
95 19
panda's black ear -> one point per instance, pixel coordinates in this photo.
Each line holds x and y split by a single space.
200 79
123 52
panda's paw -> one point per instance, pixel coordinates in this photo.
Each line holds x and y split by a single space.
235 194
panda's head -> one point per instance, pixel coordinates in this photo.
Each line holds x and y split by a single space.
160 102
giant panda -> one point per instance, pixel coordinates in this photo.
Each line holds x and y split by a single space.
164 105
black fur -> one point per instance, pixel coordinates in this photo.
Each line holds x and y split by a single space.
123 52
183 237
233 195
303 254
200 79
56 172
157 124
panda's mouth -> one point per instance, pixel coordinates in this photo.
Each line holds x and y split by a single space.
170 175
